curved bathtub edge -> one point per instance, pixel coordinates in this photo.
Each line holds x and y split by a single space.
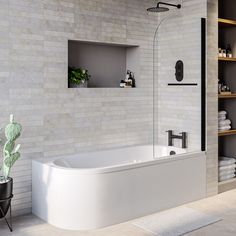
119 168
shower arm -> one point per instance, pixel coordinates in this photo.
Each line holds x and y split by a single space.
168 4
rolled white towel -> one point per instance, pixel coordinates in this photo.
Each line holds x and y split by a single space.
226 161
224 122
226 177
222 117
222 113
220 125
224 128
224 173
229 167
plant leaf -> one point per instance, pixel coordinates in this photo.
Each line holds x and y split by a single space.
10 160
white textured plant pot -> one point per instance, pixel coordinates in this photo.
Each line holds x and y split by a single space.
81 85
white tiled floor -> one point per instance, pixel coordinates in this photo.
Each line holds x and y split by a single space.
223 205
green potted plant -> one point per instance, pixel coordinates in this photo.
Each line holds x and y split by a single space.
78 78
10 156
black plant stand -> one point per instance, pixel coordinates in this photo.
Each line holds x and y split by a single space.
9 223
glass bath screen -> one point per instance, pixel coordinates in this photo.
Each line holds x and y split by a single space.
178 81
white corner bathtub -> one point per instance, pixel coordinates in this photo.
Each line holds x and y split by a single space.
94 190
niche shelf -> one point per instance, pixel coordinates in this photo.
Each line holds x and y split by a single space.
107 63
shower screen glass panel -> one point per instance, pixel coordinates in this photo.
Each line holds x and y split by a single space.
177 84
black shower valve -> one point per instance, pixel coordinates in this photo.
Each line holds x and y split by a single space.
179 70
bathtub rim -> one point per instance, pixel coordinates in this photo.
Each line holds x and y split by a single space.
118 168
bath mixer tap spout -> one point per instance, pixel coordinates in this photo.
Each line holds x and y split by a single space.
172 136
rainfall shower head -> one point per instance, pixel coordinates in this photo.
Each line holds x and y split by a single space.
158 8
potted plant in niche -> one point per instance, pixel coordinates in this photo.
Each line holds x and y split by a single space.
78 78
10 156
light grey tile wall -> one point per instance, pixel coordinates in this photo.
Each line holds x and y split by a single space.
33 79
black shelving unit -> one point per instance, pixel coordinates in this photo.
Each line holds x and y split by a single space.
227 70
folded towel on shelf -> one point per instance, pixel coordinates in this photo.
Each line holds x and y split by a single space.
222 117
226 173
222 113
226 177
224 128
226 161
229 167
224 122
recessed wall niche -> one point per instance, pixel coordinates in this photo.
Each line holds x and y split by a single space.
106 63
